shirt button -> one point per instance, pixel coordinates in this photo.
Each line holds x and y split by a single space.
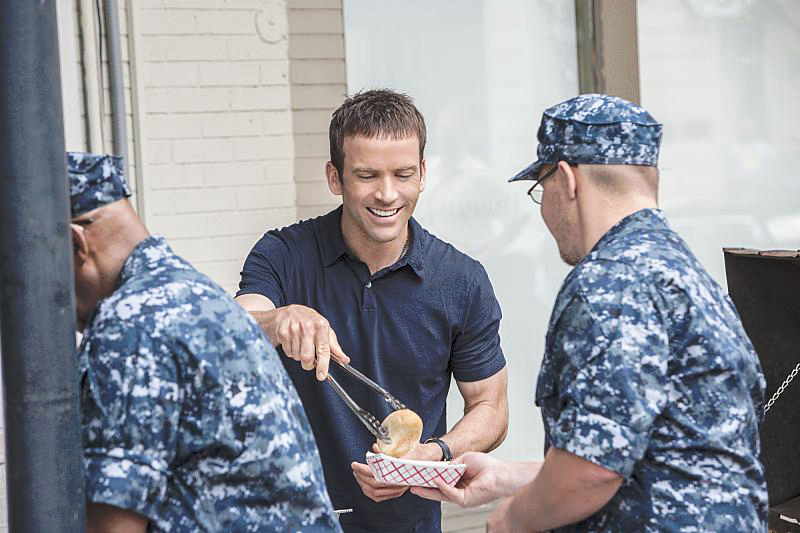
369 284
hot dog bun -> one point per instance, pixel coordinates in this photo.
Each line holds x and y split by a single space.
405 429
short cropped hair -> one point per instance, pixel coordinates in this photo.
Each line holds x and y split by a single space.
378 113
621 179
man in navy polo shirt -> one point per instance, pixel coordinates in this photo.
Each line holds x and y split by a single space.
407 308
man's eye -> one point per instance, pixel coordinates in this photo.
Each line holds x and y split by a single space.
366 176
405 176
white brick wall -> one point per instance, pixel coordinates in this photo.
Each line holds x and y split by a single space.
217 121
317 74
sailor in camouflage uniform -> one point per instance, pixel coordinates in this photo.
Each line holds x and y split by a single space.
190 422
650 390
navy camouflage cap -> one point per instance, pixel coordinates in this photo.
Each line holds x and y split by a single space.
595 129
94 181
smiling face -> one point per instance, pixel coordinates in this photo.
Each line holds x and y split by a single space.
381 182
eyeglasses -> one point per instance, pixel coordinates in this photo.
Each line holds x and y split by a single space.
536 191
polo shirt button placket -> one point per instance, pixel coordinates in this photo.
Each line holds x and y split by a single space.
367 297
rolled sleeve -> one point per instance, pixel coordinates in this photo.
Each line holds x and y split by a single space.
130 413
608 362
125 479
598 439
477 353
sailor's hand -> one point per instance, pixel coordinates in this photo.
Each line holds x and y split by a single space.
477 486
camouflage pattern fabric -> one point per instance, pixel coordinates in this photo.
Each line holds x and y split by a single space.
648 373
595 129
188 415
94 181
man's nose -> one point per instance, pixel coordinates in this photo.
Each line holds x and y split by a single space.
387 192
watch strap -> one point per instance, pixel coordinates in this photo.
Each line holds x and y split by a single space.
447 455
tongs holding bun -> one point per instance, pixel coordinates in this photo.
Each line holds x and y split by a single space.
367 418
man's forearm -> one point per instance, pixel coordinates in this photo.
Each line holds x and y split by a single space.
102 518
562 493
481 429
485 422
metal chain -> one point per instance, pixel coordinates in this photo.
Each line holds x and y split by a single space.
783 386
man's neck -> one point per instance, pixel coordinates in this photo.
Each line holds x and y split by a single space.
376 255
599 221
115 246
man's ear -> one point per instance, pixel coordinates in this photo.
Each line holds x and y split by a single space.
333 178
570 182
80 245
422 174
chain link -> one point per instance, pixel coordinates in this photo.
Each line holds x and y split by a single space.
783 386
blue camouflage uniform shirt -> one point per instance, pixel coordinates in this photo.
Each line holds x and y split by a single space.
188 415
649 373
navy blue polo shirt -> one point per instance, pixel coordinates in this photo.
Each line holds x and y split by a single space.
409 327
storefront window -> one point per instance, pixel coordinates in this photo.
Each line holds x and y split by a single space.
724 78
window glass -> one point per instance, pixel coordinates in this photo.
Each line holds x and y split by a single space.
724 78
481 74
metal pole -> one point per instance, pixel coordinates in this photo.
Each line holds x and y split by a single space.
116 82
591 56
43 438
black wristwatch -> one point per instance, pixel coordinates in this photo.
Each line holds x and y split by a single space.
446 454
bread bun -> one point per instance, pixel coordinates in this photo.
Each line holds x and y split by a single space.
405 429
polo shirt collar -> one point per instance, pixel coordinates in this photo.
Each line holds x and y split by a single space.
332 246
331 241
415 256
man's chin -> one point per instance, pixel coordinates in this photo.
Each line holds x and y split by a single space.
569 258
386 235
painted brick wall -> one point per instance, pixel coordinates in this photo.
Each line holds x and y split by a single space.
217 126
317 74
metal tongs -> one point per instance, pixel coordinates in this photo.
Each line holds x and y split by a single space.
373 424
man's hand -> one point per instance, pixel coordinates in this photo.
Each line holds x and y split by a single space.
482 482
373 489
303 333
379 491
306 336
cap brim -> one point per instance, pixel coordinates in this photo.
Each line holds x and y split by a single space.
531 172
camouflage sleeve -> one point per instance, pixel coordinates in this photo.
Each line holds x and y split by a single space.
476 349
612 352
130 407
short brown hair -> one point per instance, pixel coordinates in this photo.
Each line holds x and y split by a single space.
378 113
621 179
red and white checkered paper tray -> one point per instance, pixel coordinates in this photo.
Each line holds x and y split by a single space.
414 473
